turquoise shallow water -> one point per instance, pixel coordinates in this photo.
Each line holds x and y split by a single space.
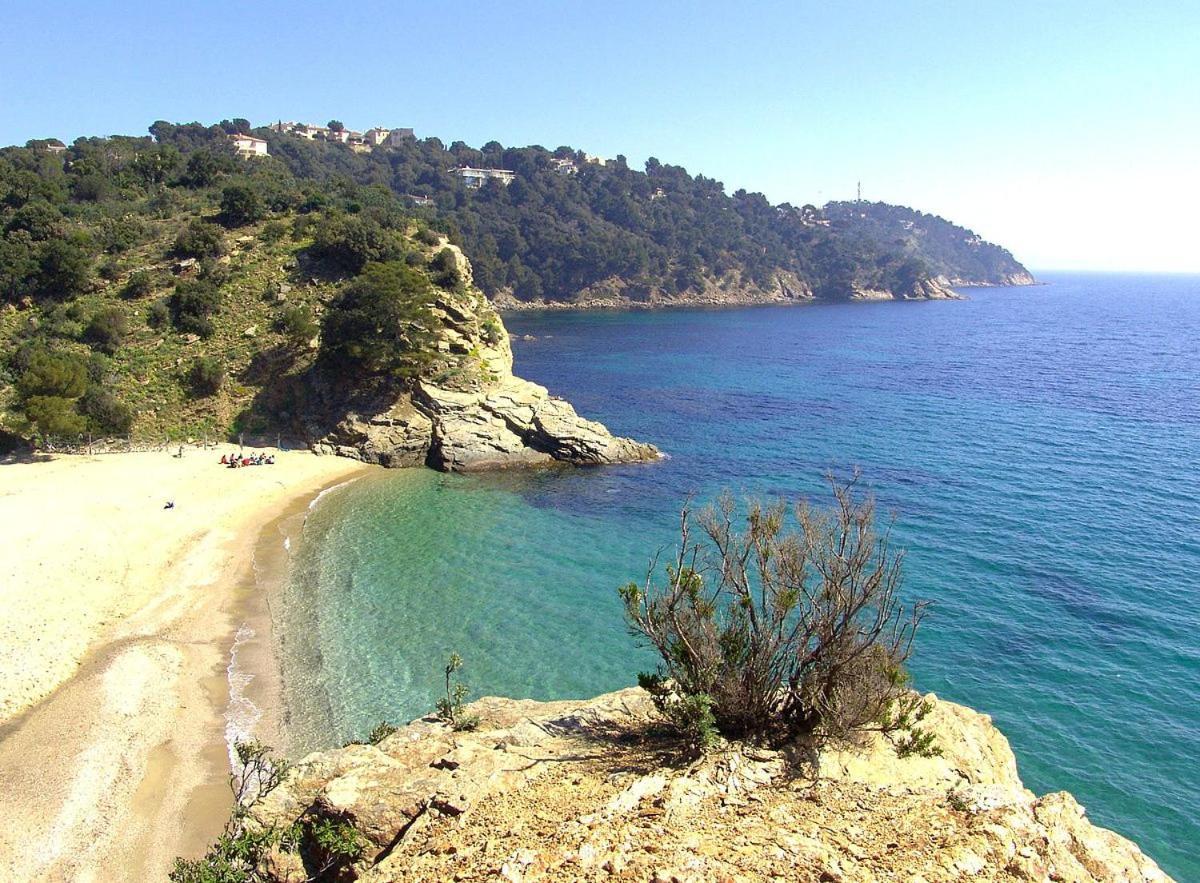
1039 445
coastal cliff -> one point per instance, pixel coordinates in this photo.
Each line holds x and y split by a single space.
466 411
591 790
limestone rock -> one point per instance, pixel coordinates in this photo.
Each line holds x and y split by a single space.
583 789
468 412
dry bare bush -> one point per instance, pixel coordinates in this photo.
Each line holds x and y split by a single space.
780 621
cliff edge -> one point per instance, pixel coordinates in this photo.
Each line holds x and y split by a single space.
592 790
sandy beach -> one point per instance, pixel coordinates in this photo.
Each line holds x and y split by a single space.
116 620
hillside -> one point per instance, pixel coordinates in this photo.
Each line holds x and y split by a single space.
956 254
571 228
154 294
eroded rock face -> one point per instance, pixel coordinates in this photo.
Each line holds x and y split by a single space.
591 790
469 412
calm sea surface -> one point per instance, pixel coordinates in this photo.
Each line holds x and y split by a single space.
1041 447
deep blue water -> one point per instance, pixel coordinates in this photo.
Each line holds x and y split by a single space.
1040 447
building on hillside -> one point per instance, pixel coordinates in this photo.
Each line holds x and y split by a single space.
476 178
397 136
564 166
376 136
417 199
340 135
595 160
248 145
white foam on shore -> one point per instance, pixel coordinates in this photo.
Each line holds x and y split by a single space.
241 715
329 490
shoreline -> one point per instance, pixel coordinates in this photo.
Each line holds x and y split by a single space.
114 753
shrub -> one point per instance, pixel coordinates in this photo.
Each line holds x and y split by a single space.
240 205
450 709
273 231
107 329
239 850
429 237
206 377
108 414
297 324
157 314
444 268
199 239
139 284
110 270
381 732
192 307
353 242
791 627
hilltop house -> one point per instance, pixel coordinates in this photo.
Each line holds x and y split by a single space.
248 145
564 166
476 178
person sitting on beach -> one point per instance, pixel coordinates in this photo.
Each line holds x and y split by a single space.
224 459
270 459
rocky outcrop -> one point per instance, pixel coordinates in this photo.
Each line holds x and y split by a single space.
925 289
593 791
468 411
1003 280
616 293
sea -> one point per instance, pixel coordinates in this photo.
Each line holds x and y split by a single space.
1039 448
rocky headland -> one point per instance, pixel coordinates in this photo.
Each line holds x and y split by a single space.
593 790
467 411
730 291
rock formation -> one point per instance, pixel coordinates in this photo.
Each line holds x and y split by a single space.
592 790
467 411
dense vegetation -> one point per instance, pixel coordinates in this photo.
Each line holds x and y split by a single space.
162 285
945 248
550 235
166 288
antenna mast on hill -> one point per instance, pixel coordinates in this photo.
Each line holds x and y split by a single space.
860 191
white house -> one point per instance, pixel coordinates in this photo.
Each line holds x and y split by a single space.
476 178
564 166
248 145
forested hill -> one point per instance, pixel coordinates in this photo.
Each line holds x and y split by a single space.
567 229
959 255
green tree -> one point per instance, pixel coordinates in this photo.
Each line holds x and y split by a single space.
241 205
199 239
382 323
193 305
50 373
64 269
106 412
335 126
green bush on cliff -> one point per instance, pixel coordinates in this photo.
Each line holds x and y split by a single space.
780 621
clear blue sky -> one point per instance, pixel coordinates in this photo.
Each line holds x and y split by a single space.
1067 131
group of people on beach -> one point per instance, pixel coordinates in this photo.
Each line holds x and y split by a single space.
236 461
